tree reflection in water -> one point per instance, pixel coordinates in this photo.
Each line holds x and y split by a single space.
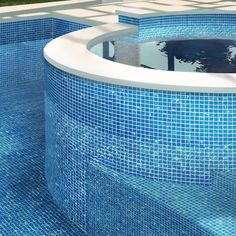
215 56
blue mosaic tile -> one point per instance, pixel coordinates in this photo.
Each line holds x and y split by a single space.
177 136
139 206
16 68
61 27
27 30
184 26
225 183
27 207
30 30
141 138
151 163
147 164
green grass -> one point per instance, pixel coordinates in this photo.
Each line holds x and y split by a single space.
17 2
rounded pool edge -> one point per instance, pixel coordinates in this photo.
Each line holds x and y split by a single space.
103 140
76 45
107 144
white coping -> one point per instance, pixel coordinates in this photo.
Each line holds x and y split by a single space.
71 53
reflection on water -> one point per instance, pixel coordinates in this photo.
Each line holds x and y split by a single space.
212 55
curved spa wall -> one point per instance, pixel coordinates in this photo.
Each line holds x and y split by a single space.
131 161
103 141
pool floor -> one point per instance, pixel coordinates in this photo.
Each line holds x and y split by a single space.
26 207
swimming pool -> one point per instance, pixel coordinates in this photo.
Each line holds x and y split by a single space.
26 205
124 155
151 151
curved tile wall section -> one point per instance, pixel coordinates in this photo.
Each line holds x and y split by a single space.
164 135
113 153
172 136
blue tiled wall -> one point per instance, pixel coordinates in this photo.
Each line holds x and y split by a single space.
97 132
16 64
30 30
61 27
26 205
184 26
175 136
27 30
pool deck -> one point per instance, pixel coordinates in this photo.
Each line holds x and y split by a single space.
96 12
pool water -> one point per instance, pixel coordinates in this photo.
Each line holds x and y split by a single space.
115 202
200 55
26 206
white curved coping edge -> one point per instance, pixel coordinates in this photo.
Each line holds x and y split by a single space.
71 54
145 13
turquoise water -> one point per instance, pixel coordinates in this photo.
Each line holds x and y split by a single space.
26 207
115 192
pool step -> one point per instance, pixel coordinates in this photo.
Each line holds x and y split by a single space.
150 207
225 183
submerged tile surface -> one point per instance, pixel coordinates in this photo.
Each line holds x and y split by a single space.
26 207
125 147
101 166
